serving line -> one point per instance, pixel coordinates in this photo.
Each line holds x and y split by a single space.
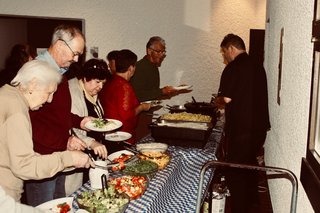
174 188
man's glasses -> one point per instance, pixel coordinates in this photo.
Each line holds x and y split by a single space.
159 51
73 52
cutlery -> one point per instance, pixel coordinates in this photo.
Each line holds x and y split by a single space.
87 151
105 120
104 184
109 165
90 156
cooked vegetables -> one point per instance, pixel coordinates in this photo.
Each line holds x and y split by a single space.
161 159
185 116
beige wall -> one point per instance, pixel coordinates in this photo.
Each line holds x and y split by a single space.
286 143
193 31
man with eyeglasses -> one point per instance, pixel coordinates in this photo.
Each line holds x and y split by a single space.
146 81
51 124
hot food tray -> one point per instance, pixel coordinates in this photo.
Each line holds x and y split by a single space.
180 136
184 124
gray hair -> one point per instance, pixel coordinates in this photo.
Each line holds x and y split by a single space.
155 39
36 69
66 33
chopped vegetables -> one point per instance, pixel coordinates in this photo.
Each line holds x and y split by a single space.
121 160
63 207
133 186
96 201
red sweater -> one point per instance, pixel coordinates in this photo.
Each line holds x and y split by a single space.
51 123
119 102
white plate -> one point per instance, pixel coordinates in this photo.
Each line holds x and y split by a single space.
82 211
182 87
118 136
115 155
111 125
153 103
52 204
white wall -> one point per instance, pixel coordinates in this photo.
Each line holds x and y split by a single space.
286 142
192 29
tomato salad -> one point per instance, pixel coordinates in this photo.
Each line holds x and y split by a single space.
62 208
133 186
121 160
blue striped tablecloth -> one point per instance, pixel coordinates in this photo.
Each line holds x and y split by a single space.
173 189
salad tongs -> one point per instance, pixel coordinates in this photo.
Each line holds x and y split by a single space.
104 184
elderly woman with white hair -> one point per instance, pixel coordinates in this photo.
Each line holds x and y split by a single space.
34 85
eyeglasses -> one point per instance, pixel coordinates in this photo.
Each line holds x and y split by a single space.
73 52
159 51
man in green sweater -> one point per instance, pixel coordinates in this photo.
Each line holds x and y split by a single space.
146 80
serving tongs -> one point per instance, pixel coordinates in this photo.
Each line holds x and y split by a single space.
104 184
109 165
87 151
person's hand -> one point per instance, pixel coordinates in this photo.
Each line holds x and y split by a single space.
145 106
85 120
99 149
75 143
168 90
81 160
219 102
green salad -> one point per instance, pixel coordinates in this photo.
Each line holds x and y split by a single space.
99 122
141 167
97 202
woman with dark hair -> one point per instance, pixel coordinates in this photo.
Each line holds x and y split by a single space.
111 58
118 98
20 54
84 91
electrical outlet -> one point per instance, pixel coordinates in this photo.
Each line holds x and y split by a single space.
94 52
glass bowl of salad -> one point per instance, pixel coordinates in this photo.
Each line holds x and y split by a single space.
101 201
133 186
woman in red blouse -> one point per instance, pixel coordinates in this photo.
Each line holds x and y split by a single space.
118 98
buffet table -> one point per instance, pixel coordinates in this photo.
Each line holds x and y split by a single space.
174 189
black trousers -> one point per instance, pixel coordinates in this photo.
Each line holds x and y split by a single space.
243 183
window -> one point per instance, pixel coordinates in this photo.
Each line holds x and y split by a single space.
310 166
